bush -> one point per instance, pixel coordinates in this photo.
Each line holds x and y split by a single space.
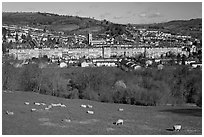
29 77
90 94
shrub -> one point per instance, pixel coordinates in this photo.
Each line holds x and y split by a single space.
90 94
29 77
11 77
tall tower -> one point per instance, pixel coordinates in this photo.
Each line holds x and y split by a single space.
89 38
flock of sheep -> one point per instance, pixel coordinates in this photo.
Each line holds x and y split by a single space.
52 105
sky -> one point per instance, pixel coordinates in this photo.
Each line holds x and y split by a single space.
117 12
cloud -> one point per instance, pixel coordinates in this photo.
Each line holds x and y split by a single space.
150 15
142 14
78 12
118 17
155 15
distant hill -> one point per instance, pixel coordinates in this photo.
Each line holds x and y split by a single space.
82 25
191 27
52 21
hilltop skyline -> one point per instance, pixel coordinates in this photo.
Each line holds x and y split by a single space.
117 12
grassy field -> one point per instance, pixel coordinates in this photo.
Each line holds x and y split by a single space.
137 119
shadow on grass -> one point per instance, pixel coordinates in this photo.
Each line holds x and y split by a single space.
170 129
189 112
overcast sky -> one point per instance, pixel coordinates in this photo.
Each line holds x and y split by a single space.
118 12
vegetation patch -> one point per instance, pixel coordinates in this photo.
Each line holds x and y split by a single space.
149 87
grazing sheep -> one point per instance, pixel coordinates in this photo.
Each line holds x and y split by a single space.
119 122
9 113
8 91
66 120
37 104
47 108
84 106
26 103
54 105
43 104
62 105
177 127
90 112
33 109
50 106
89 106
120 109
58 105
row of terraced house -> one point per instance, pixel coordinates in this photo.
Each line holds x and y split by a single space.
97 52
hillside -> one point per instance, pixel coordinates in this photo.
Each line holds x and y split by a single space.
67 24
137 119
82 25
51 21
191 27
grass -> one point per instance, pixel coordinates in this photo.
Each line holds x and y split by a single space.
68 27
138 120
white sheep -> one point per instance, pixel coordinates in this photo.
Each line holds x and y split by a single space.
53 105
119 122
58 105
84 106
66 120
43 104
90 112
50 106
177 127
62 105
89 106
26 103
120 109
9 113
37 104
47 108
33 109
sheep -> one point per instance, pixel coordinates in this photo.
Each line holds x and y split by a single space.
8 91
50 106
177 127
9 113
89 106
26 103
43 104
119 122
37 104
33 109
120 109
47 108
84 106
62 105
66 120
54 105
90 112
58 105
